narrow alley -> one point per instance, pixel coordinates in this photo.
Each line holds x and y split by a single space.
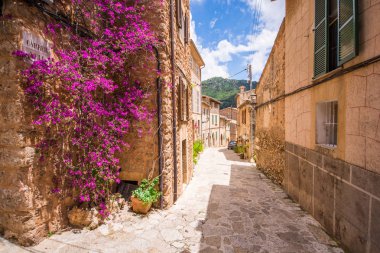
229 206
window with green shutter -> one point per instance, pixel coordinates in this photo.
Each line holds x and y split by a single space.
320 38
335 40
347 30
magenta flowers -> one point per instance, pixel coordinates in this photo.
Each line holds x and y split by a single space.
84 98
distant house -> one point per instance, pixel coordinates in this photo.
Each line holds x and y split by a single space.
245 101
231 114
210 121
196 65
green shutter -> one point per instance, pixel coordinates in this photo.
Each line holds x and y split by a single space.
320 38
347 30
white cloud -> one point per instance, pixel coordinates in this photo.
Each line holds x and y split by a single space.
272 12
255 46
213 22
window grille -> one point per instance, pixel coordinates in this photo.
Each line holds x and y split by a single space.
327 124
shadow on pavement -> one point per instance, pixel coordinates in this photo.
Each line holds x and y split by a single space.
231 155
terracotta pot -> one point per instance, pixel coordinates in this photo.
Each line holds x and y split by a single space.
139 206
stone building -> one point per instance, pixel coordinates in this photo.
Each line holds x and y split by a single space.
270 116
28 209
142 159
225 131
332 108
245 101
210 121
231 114
196 64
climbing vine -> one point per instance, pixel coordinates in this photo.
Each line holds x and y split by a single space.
84 98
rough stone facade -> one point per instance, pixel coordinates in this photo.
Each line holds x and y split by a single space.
141 160
336 184
28 209
270 118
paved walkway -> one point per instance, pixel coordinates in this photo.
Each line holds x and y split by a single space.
229 206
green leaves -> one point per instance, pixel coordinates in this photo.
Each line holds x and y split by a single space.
197 149
223 89
146 192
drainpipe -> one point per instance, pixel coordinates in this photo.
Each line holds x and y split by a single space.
159 117
172 58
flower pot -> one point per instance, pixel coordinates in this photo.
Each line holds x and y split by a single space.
139 206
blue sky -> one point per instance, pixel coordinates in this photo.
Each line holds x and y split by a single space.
229 36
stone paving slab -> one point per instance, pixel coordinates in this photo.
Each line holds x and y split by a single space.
229 206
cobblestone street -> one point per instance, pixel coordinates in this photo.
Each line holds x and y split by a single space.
228 207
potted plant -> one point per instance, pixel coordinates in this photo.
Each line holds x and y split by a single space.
145 195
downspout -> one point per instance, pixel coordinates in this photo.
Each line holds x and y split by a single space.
172 59
159 117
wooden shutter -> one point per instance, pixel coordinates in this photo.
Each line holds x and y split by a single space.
183 101
179 13
187 90
320 38
186 29
180 98
347 30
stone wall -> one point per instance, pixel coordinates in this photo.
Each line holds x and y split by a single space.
141 159
270 118
343 197
28 209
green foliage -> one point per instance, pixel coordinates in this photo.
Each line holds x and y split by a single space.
224 90
239 149
146 192
198 148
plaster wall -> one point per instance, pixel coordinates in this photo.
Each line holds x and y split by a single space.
334 184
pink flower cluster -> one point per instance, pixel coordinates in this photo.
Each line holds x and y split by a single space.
86 98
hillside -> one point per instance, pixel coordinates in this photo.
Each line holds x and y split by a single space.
224 90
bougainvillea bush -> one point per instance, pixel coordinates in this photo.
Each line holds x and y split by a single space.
84 99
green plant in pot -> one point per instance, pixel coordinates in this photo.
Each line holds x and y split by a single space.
145 195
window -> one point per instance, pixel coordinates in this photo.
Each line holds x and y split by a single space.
183 100
198 101
1 8
243 116
186 30
327 124
335 38
179 13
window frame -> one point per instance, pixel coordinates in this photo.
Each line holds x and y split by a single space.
328 125
322 45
